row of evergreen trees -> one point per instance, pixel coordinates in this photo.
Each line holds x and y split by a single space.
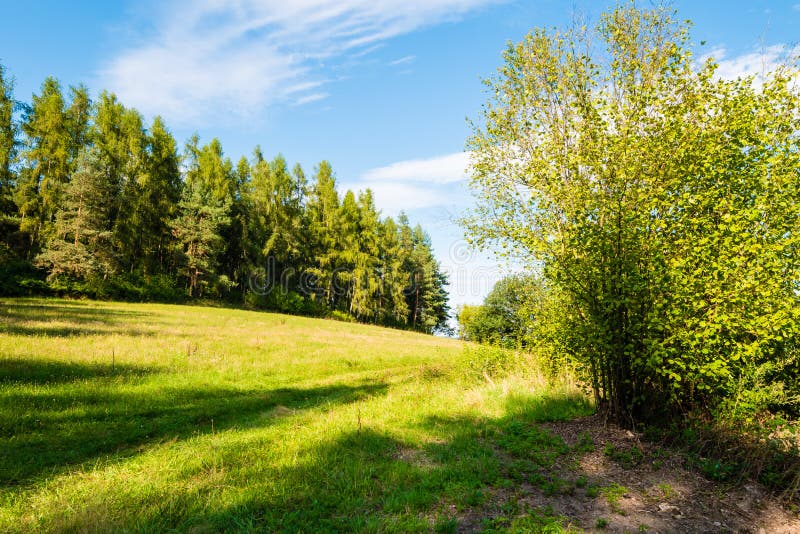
88 193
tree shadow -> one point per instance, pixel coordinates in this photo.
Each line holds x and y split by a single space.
29 370
34 318
369 480
91 411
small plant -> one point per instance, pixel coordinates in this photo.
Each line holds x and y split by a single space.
446 525
601 522
716 470
585 443
643 528
613 494
581 482
626 457
592 491
667 492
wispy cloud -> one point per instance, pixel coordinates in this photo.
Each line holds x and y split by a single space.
755 63
218 57
308 99
403 60
418 183
438 170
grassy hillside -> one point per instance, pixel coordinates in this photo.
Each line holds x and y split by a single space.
154 417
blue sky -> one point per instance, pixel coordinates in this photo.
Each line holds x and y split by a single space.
380 88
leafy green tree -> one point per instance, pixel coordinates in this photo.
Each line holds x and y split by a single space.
81 244
322 214
506 316
426 297
9 145
118 134
48 147
661 201
197 230
158 190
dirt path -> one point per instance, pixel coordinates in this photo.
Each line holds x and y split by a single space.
611 488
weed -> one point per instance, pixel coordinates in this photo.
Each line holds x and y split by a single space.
584 444
446 525
626 457
613 494
667 492
601 523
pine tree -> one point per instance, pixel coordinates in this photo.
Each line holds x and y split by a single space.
197 232
8 150
118 133
204 217
324 227
81 244
158 193
366 282
392 306
427 296
47 163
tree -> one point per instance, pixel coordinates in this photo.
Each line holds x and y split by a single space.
662 202
8 151
81 244
159 191
426 297
47 163
204 216
197 232
118 134
506 316
392 306
322 214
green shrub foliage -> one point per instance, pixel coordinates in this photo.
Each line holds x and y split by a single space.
663 203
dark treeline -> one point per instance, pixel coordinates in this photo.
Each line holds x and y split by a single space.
95 202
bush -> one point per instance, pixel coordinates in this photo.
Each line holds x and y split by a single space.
342 316
488 361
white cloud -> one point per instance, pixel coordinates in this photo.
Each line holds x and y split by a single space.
755 63
438 170
403 60
239 56
417 184
308 99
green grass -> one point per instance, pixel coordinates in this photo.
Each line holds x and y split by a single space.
153 418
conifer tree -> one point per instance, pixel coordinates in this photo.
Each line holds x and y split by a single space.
197 230
81 241
324 225
157 196
47 151
392 305
118 133
204 216
8 150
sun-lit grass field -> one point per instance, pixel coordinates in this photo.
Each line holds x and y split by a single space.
151 418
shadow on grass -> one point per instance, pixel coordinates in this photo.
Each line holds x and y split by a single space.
45 429
371 481
34 371
33 318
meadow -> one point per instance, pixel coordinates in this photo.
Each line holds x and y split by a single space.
153 418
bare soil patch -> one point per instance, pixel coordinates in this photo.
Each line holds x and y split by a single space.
610 487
